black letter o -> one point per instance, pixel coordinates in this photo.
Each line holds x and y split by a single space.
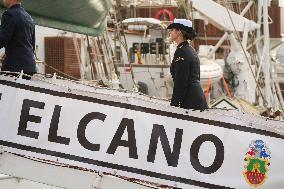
194 150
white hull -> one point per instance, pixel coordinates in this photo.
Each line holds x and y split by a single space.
67 107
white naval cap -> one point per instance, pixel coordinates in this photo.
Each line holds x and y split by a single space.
184 22
185 25
181 24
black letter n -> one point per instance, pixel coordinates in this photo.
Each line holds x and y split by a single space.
172 157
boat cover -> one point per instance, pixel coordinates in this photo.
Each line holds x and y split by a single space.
84 16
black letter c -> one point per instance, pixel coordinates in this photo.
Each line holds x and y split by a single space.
81 132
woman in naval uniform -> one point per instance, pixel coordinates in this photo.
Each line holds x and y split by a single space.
185 68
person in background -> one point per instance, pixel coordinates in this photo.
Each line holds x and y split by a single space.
185 68
17 36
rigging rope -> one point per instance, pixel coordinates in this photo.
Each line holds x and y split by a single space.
244 51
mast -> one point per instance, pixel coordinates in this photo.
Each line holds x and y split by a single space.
120 36
266 54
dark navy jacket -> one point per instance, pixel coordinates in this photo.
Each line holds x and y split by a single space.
17 35
185 71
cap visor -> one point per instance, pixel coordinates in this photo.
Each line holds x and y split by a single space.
171 26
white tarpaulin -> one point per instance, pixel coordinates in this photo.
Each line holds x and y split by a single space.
220 16
133 140
149 22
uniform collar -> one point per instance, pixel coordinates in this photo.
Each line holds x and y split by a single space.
15 5
182 44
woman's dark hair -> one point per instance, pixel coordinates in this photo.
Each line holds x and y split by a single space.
189 34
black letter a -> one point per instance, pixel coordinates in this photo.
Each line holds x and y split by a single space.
131 143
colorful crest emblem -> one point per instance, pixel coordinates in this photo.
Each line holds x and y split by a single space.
257 162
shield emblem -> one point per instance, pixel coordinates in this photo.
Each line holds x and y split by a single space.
257 162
